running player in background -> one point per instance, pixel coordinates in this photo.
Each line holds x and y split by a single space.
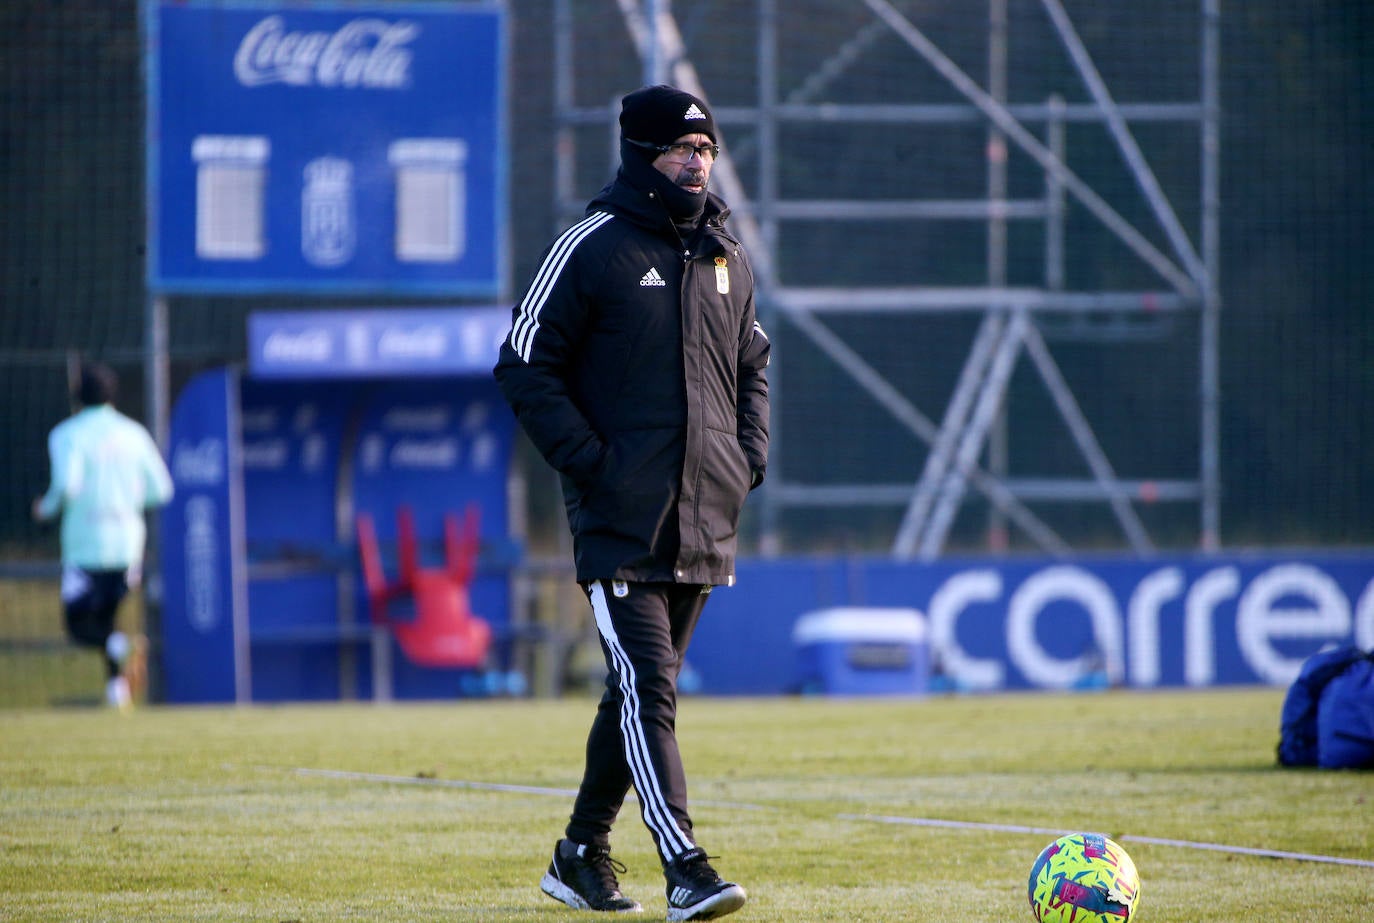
106 471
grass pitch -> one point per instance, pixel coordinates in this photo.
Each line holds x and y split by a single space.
447 811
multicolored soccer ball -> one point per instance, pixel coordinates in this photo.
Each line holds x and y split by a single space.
1084 878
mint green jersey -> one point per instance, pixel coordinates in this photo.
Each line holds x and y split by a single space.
106 470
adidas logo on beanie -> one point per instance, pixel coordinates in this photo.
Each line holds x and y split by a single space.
662 114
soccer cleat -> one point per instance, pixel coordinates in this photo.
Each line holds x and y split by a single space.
583 877
695 891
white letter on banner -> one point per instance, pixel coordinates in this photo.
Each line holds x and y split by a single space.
1066 583
951 599
1142 623
1364 619
1258 619
1199 654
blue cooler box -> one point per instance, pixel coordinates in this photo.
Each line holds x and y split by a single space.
862 651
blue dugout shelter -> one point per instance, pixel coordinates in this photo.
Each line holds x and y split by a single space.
338 413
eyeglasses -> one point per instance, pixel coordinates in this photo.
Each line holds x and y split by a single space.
681 151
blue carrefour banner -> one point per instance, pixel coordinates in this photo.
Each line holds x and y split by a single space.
310 147
1041 623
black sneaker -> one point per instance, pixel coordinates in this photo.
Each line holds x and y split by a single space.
695 891
583 877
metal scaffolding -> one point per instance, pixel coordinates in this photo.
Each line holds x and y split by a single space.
966 448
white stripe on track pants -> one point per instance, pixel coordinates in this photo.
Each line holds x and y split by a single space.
645 629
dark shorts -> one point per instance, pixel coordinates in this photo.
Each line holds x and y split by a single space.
90 601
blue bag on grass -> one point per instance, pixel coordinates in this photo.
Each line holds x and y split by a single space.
1345 719
1299 736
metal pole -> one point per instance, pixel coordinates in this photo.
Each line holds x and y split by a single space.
156 399
1054 198
770 536
997 447
1210 385
564 96
653 55
155 362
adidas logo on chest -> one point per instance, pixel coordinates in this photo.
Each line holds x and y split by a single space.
652 278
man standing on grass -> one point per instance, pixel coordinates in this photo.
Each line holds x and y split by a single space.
636 366
106 471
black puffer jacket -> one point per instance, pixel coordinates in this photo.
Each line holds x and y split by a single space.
636 368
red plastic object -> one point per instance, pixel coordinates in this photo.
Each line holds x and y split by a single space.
444 632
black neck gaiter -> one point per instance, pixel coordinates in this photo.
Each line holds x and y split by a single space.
685 208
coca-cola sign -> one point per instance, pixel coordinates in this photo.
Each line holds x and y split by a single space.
364 52
322 147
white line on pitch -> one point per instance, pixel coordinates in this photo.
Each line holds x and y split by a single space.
437 783
1157 841
871 818
489 786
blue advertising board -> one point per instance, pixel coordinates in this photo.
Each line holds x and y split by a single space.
406 342
1037 623
203 651
297 147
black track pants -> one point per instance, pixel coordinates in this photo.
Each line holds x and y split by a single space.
645 629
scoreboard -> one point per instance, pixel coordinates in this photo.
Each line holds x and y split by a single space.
325 148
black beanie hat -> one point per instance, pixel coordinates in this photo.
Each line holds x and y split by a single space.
662 114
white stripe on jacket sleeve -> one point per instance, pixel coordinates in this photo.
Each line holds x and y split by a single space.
527 323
